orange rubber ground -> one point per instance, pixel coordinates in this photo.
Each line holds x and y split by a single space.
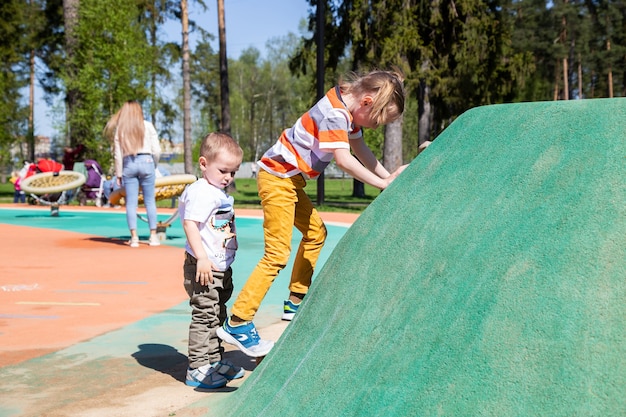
53 295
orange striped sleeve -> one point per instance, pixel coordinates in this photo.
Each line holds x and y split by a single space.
330 136
302 165
308 124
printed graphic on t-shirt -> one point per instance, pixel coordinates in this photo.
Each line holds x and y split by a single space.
222 222
213 211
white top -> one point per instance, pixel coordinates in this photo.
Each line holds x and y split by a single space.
214 210
150 145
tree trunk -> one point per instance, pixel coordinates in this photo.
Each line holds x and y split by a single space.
565 80
392 147
320 69
610 74
556 81
189 169
31 114
70 18
580 78
563 40
424 113
153 43
224 92
358 189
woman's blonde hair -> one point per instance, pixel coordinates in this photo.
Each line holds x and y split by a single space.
386 88
128 125
216 143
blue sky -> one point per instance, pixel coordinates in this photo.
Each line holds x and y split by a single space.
249 23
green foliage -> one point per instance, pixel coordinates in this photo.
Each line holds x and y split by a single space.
163 113
13 75
113 57
455 55
205 86
51 49
265 97
410 131
374 140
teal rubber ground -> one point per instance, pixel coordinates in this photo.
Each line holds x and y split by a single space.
112 225
488 280
91 377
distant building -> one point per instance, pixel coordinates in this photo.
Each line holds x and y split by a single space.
169 150
43 149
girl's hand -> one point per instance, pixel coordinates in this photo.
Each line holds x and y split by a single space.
423 146
395 174
399 170
204 272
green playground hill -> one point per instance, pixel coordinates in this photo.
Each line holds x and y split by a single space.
488 280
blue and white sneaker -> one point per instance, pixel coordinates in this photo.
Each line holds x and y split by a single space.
289 310
228 369
205 377
246 338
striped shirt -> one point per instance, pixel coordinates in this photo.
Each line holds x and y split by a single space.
308 146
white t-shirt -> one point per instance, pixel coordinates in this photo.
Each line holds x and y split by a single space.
214 210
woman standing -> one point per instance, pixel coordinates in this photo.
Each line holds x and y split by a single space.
136 151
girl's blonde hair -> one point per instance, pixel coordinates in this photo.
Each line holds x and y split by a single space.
128 125
386 88
216 143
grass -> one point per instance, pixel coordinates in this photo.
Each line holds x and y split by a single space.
6 192
337 195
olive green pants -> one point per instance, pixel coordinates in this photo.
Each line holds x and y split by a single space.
208 312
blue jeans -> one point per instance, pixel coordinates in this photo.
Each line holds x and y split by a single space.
138 171
19 197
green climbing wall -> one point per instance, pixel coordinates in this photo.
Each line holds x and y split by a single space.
489 279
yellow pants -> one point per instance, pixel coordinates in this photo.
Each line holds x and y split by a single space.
285 204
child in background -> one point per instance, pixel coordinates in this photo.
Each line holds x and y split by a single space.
18 195
208 218
331 129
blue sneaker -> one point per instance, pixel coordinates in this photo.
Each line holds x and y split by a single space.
205 377
289 310
246 338
228 370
